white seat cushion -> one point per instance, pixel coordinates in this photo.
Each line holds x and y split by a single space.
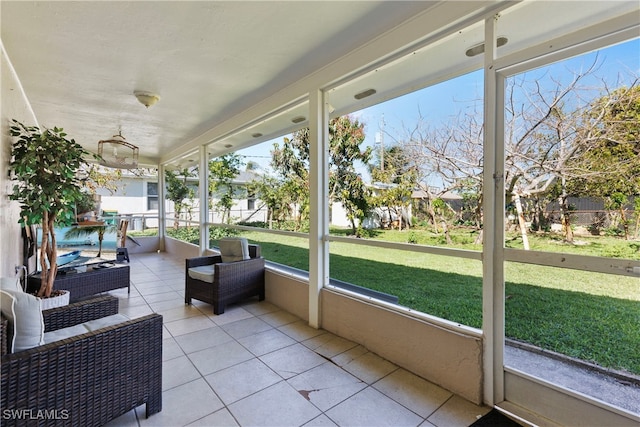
103 322
60 334
204 273
83 328
234 249
24 314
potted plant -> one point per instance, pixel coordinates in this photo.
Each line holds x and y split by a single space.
45 166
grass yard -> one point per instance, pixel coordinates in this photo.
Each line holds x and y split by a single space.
590 316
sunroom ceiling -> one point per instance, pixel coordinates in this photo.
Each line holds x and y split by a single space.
80 62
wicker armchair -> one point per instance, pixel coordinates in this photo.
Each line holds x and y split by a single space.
232 281
87 379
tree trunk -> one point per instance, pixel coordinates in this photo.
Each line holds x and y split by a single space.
625 223
566 220
100 239
48 256
446 232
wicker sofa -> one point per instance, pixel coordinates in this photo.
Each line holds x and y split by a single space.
232 281
88 379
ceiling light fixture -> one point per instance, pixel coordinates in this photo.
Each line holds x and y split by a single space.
298 119
256 135
146 98
118 153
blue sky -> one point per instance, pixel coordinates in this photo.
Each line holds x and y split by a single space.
443 101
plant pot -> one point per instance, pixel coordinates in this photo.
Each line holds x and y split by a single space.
55 300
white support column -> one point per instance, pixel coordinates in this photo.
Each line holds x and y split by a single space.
319 203
203 196
493 235
162 211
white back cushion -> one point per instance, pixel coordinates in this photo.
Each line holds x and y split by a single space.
24 314
11 284
234 249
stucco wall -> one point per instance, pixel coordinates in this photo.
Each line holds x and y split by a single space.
288 293
14 106
146 244
180 248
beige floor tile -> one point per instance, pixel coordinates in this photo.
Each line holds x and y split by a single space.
181 312
127 420
161 296
258 308
326 385
370 367
321 421
372 408
242 380
266 342
457 412
279 318
219 357
291 361
172 304
231 314
135 311
413 392
131 301
183 404
300 331
178 371
220 418
203 363
278 405
186 326
318 340
246 327
205 338
334 347
170 349
348 356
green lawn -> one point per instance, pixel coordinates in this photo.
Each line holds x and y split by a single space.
591 316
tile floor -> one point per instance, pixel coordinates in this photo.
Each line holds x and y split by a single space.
257 365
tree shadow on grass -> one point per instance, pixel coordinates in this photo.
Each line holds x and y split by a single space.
599 329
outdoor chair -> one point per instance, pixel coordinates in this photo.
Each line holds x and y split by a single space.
226 278
86 379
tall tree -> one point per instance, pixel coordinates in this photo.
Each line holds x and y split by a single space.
291 162
222 171
179 192
393 167
611 164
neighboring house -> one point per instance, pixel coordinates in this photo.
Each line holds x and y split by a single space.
137 196
246 206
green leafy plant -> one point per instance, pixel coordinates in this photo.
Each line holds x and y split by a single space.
45 166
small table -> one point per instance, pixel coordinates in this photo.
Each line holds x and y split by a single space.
96 279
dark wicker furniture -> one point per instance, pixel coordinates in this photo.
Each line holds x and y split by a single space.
233 281
93 281
89 379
